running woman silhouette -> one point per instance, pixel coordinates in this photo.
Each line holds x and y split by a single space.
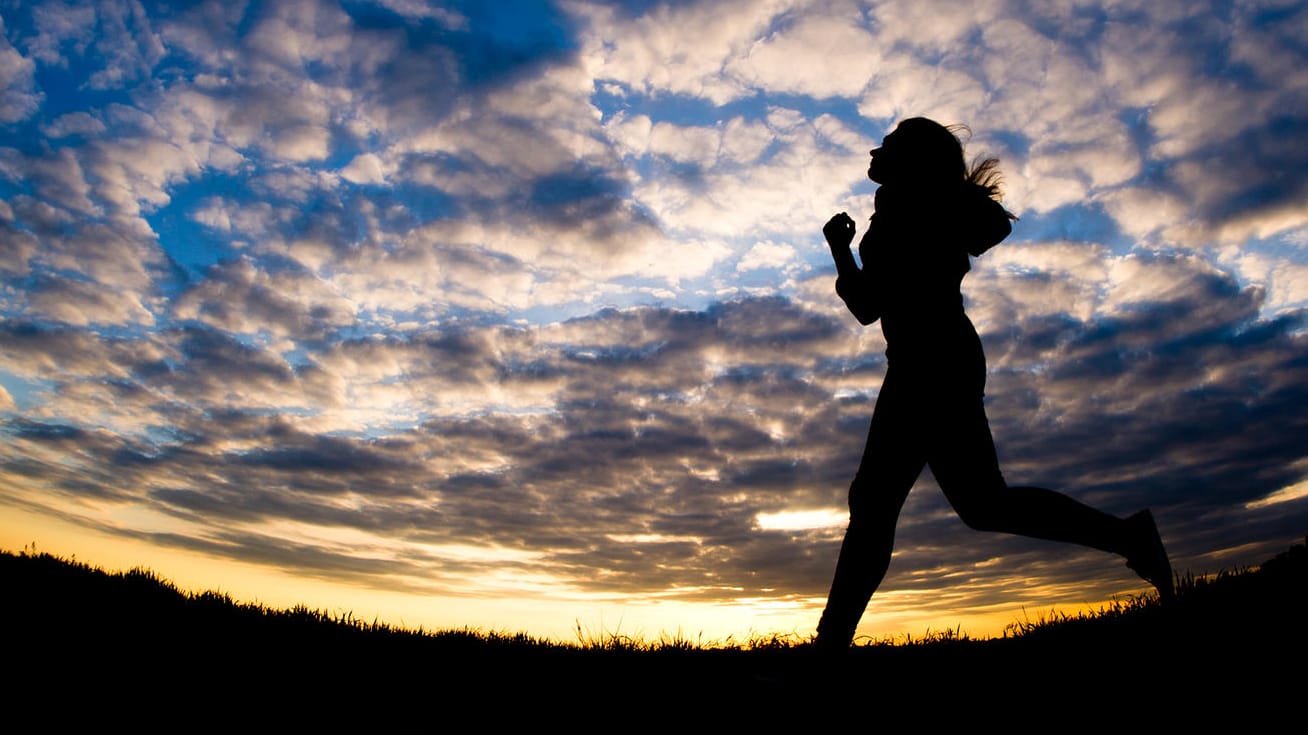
932 213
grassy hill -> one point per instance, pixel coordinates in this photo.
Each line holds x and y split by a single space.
1231 644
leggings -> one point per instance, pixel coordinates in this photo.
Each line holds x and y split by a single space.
935 417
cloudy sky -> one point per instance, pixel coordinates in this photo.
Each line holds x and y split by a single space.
517 314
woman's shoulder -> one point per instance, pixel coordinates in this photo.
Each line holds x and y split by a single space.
982 219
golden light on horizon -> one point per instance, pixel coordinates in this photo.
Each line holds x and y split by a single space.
511 603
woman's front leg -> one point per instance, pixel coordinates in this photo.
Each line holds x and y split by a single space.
891 462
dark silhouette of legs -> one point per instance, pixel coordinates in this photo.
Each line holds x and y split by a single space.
932 421
891 462
962 458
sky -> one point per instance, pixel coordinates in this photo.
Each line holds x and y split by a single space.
517 315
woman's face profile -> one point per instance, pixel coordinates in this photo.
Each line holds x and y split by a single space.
880 166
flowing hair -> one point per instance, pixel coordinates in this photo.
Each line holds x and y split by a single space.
938 154
984 171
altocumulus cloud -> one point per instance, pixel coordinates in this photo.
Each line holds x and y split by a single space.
439 296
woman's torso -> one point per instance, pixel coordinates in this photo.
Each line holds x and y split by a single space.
914 259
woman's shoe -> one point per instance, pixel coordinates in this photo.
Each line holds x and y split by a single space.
1149 558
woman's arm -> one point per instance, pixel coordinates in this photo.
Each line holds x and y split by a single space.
851 282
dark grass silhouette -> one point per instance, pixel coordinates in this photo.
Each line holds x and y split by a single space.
130 646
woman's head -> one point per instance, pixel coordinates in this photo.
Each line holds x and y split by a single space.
918 151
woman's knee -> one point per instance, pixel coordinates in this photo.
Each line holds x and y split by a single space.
981 516
874 503
984 506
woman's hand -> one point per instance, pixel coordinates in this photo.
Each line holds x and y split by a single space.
839 231
851 286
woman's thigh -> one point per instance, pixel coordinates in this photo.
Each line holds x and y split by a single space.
961 454
893 457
